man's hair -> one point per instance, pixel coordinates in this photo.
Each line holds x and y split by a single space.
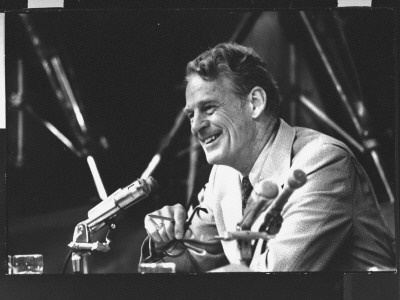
242 65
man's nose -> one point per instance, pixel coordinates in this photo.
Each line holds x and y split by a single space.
198 122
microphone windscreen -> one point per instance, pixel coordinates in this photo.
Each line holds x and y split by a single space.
266 189
297 179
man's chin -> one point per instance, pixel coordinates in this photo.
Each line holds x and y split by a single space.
213 159
210 160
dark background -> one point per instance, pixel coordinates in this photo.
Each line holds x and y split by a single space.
127 70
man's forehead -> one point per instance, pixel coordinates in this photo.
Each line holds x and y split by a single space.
194 79
197 85
201 96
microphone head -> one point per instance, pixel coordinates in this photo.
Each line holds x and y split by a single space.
152 184
297 179
266 189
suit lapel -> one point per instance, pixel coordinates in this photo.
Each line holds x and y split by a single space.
277 165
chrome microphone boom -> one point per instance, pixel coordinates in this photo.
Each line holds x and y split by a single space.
120 199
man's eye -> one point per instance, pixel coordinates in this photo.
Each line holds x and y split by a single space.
209 109
190 116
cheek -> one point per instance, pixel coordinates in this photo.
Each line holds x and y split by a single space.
241 135
232 119
237 127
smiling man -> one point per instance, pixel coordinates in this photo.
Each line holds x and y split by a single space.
232 131
332 223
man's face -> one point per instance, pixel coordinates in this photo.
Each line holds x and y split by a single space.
219 120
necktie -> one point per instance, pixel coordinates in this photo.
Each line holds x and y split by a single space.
246 191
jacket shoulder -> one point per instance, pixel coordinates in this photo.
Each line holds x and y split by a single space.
313 151
308 140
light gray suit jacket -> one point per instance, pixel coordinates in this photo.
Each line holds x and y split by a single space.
332 223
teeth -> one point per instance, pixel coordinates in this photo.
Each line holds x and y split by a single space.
210 139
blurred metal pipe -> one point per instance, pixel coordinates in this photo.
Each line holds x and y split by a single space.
20 138
245 26
385 181
165 142
293 83
331 73
61 137
58 80
96 177
322 116
192 147
67 91
17 101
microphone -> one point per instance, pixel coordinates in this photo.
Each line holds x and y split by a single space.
296 180
120 199
263 193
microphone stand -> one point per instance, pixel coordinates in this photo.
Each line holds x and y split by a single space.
82 246
103 215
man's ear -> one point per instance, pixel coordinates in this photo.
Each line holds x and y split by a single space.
258 100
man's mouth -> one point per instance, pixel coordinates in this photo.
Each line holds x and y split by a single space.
211 138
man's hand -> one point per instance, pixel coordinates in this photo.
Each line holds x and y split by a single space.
166 224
